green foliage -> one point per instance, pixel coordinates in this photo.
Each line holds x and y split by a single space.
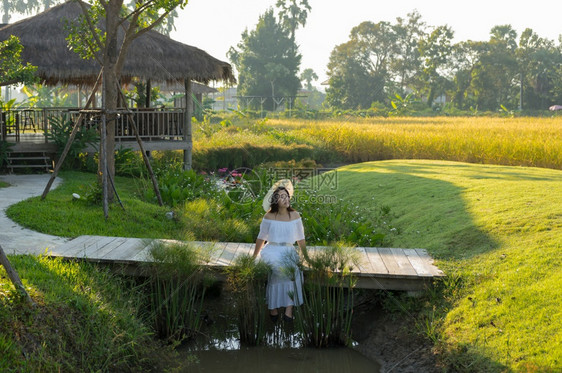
12 69
175 289
247 280
267 62
84 320
325 317
5 148
61 127
329 219
178 186
42 96
411 56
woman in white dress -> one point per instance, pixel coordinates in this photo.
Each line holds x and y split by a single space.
280 228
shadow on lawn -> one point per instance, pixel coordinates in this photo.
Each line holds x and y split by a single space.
428 213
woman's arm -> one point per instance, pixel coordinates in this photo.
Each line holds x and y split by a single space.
302 247
257 249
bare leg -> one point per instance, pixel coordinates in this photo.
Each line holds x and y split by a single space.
289 311
274 312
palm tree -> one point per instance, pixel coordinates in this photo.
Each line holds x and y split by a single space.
291 14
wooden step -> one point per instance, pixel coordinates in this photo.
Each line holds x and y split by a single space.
15 161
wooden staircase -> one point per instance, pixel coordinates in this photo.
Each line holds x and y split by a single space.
29 160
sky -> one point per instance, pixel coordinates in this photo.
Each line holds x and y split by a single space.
216 25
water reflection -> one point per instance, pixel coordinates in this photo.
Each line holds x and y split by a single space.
267 359
218 349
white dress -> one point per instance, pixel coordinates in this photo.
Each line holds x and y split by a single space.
284 287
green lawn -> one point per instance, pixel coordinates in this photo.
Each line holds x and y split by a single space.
498 229
495 231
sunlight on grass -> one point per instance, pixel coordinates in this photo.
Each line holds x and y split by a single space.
527 141
500 228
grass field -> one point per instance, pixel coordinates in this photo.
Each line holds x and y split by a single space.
497 233
525 141
494 224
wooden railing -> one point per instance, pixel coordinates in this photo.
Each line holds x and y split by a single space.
23 124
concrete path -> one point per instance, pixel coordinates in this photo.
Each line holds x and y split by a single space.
14 238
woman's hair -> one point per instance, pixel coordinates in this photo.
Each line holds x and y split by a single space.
275 198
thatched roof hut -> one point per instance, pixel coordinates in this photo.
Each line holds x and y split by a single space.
151 56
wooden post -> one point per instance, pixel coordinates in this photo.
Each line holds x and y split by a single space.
13 276
148 93
70 139
187 153
143 152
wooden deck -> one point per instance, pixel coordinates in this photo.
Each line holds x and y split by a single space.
378 268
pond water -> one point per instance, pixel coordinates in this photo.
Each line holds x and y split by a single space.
218 349
272 360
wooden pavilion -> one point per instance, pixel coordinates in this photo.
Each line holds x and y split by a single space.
152 57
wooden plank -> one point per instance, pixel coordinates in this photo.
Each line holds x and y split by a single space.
74 250
144 255
126 250
393 283
245 249
435 271
393 267
218 249
403 262
96 249
418 263
363 265
106 247
376 260
228 254
60 250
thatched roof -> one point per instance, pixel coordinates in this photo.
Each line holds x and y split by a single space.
151 56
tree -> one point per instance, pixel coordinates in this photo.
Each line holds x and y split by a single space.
267 62
492 78
406 64
464 58
308 75
91 41
12 70
351 85
359 69
291 14
435 51
537 59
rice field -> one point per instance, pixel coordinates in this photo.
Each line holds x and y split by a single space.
525 141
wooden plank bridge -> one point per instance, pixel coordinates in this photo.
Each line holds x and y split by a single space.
377 268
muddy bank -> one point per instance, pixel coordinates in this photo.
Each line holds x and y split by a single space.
390 340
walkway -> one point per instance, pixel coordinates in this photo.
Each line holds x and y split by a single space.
377 268
14 238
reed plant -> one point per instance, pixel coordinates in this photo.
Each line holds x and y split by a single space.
325 317
247 280
175 288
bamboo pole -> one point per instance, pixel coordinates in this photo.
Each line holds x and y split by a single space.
13 276
143 152
71 138
187 154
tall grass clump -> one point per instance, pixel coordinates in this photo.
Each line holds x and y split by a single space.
85 319
247 281
175 289
325 317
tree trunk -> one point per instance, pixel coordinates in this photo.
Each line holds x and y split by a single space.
13 276
111 85
431 96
